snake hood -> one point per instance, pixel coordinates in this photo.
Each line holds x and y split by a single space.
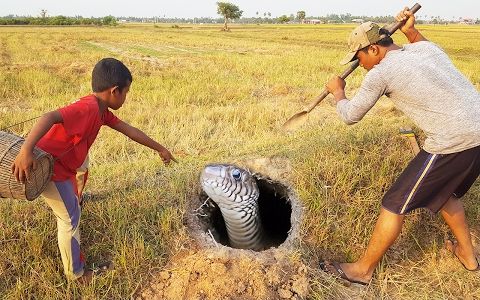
236 193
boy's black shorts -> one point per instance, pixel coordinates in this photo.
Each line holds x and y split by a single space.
431 179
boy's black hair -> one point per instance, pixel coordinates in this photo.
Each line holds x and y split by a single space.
385 42
110 72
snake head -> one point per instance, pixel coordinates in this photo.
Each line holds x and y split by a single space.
223 182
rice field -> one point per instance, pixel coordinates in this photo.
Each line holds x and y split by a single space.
213 96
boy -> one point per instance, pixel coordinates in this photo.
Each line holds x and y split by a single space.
422 82
67 134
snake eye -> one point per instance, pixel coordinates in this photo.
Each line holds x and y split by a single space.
236 174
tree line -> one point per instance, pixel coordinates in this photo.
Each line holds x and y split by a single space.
58 20
109 20
230 13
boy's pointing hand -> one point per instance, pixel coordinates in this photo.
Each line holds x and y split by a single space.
167 157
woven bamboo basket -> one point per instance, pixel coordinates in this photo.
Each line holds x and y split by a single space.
10 145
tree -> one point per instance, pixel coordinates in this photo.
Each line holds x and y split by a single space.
229 11
109 20
301 15
283 19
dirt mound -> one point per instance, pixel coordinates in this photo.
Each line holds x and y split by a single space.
225 273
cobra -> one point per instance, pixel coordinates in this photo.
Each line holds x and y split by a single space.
236 193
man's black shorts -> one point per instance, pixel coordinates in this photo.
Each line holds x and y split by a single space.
431 179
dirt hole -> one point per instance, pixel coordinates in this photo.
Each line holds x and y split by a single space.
275 206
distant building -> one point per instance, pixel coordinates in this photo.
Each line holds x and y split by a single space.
312 21
357 20
468 21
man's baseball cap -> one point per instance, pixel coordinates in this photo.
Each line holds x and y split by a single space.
364 35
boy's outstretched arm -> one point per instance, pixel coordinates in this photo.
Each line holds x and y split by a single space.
412 34
25 160
140 137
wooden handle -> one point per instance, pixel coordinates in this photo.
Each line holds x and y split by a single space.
325 93
392 28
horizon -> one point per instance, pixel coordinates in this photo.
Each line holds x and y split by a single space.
207 9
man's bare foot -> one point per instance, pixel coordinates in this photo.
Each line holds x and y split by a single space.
337 269
353 271
469 263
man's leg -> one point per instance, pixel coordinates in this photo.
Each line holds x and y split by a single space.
454 215
386 231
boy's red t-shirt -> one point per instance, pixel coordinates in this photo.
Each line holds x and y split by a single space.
68 142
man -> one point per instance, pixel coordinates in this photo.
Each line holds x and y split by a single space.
422 82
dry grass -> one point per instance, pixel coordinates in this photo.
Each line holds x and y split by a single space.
212 96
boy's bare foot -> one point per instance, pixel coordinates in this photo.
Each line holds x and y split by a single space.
98 269
86 278
103 267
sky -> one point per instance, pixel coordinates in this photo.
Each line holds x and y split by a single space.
207 8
